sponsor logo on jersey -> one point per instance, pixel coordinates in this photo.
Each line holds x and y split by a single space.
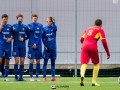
49 34
51 30
6 32
23 29
7 29
21 32
37 31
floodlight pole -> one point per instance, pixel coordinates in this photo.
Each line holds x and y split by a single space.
75 38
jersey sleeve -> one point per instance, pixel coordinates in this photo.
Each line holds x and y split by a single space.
11 30
104 42
82 37
54 27
27 32
43 37
31 27
102 34
40 36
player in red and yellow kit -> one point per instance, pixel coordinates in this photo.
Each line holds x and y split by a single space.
89 50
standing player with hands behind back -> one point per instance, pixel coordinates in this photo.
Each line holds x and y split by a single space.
89 50
50 52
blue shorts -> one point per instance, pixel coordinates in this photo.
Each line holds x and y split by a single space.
6 52
19 52
34 54
52 54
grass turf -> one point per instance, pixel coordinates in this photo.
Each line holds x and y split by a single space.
63 83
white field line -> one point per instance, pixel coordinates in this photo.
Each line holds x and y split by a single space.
51 82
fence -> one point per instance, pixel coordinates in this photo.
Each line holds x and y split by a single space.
72 17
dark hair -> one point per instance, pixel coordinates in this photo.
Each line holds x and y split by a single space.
4 16
19 15
98 22
34 15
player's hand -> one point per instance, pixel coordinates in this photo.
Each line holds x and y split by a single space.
53 20
47 49
9 40
21 39
0 28
19 22
34 46
108 57
1 25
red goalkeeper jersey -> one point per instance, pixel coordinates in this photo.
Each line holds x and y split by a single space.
92 35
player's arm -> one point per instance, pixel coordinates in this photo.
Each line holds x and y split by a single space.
44 42
13 31
43 38
27 33
82 38
11 38
104 42
31 27
1 25
0 28
40 36
39 39
53 25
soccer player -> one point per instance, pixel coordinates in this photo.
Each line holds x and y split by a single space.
20 32
89 50
5 44
49 40
35 46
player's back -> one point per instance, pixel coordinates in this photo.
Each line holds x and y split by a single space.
91 36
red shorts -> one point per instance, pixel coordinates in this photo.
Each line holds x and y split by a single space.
88 53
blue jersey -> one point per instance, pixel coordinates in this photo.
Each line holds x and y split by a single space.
49 36
35 35
5 33
19 30
1 40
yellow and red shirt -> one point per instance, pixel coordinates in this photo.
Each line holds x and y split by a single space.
92 35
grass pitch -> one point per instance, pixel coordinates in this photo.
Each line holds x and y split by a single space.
63 83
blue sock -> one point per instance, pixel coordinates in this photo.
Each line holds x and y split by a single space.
31 70
6 71
37 70
53 68
21 71
16 71
44 70
53 71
